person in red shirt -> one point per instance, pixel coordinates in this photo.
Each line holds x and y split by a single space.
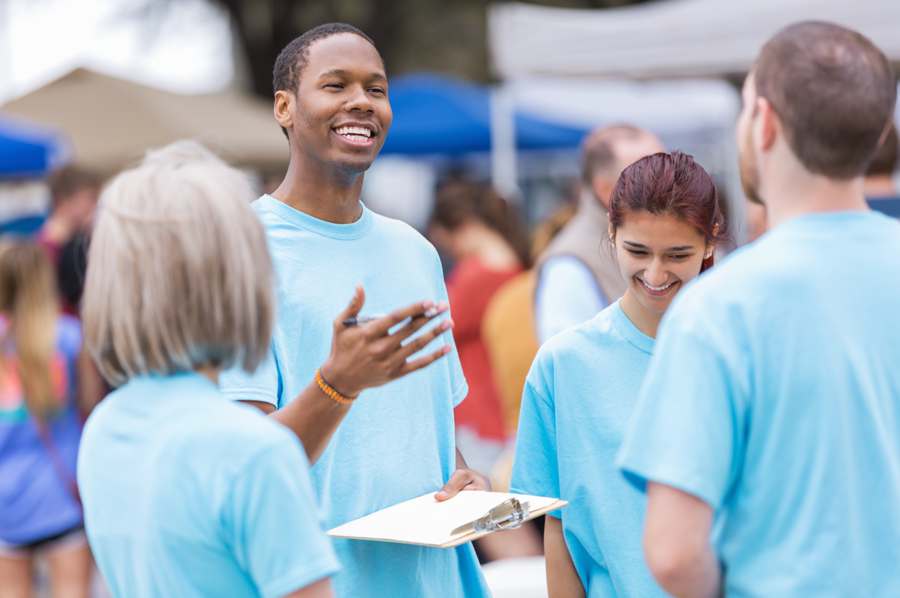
480 232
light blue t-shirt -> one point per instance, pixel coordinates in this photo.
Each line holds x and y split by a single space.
567 294
187 494
774 396
397 441
577 400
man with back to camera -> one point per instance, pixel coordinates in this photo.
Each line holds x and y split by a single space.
881 190
772 403
394 442
577 275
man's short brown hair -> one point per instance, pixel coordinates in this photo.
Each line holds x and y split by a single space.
69 180
834 92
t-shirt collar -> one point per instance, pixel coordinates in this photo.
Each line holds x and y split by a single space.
354 230
629 331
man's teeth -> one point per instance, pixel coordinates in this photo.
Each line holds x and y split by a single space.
657 289
354 131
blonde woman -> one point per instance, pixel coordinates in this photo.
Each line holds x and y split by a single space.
40 427
185 492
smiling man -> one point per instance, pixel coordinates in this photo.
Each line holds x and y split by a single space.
393 442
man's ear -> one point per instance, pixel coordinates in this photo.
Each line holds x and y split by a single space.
284 108
769 124
602 188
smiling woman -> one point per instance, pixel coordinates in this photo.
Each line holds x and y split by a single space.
665 221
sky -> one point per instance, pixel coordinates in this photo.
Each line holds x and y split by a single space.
189 50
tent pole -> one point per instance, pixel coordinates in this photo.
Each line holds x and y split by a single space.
504 175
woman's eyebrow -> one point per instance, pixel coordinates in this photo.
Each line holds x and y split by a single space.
634 245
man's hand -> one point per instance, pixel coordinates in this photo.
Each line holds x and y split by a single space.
462 479
370 354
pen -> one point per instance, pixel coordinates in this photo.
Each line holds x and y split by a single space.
360 320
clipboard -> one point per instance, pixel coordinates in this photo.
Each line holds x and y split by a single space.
469 515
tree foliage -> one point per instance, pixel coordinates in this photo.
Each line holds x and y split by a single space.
448 36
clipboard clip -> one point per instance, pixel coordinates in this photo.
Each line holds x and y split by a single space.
507 515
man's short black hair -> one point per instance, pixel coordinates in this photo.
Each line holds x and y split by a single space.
292 59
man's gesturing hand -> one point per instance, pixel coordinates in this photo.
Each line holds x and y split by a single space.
371 354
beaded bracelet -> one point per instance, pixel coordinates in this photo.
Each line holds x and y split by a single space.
331 392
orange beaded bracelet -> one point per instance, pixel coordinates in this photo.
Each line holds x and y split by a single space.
330 391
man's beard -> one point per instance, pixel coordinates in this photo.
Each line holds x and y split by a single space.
748 170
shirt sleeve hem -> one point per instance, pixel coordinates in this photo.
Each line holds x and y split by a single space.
324 567
460 395
638 477
250 394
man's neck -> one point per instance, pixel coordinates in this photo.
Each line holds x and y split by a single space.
798 194
330 196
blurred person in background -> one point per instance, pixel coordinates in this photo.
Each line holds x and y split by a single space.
41 410
71 266
550 227
482 234
880 186
509 334
186 493
665 222
767 428
73 199
577 277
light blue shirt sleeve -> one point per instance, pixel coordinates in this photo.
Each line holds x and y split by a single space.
567 294
270 508
535 468
687 429
261 385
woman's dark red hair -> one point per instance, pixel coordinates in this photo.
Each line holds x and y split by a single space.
670 184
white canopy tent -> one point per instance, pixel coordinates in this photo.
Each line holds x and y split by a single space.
692 115
642 64
676 38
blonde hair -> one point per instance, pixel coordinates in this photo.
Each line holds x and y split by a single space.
179 276
28 296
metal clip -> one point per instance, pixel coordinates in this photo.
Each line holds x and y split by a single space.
507 515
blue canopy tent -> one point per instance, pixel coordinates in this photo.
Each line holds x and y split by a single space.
438 115
27 151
